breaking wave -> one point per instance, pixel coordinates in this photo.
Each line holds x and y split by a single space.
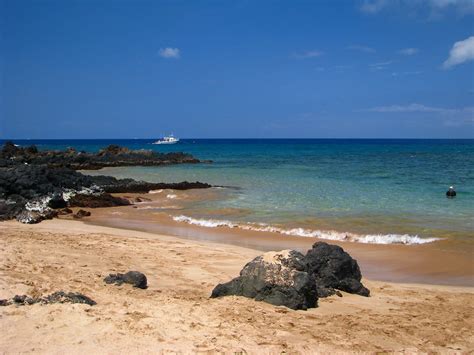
302 232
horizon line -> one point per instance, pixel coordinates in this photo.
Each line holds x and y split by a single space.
253 138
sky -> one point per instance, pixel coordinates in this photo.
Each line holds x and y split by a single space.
237 69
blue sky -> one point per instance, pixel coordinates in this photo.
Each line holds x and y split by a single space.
250 69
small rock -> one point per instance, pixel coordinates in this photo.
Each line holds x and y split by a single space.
71 297
3 303
33 217
141 199
135 278
64 211
56 297
19 298
81 214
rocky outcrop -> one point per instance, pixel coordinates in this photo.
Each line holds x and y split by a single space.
278 278
56 297
334 269
33 181
95 201
135 278
31 192
112 185
289 278
111 156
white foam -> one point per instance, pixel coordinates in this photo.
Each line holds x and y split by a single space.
158 208
171 196
155 191
93 190
309 233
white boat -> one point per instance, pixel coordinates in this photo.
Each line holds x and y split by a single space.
167 140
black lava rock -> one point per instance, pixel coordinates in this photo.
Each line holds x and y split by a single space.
113 155
70 297
57 201
278 278
135 278
33 217
334 269
44 177
56 297
95 201
288 278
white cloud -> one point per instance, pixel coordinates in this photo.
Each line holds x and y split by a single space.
360 48
450 116
308 54
373 6
463 7
408 51
169 52
404 73
462 51
406 108
380 65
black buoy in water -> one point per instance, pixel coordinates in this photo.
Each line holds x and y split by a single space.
451 192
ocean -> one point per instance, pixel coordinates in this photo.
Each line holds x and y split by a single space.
369 191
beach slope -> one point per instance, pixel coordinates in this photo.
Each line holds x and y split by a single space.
176 314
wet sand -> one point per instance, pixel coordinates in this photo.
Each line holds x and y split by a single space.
176 315
442 263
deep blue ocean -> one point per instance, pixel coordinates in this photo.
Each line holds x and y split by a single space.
382 188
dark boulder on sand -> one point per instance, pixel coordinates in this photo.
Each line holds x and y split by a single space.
135 278
289 278
278 278
334 269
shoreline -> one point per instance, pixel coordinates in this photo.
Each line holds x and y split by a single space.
436 263
176 314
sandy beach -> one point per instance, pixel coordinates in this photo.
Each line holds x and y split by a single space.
176 315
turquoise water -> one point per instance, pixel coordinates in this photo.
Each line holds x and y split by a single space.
361 186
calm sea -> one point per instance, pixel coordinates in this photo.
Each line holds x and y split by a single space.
375 191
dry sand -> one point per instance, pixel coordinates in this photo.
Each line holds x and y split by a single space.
175 313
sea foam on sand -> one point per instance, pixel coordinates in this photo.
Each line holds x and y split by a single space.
302 232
